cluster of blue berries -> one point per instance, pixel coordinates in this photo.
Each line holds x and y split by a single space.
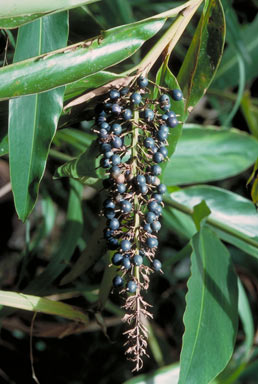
132 134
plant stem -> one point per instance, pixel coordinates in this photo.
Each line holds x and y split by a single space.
213 222
135 136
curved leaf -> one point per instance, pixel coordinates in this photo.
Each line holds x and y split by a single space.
210 153
65 66
211 316
16 13
33 119
42 305
204 54
164 375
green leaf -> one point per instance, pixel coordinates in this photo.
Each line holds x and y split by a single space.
75 137
64 66
245 314
16 13
211 317
204 54
165 78
71 233
233 217
94 81
210 153
33 119
250 113
83 168
200 212
165 375
42 305
227 75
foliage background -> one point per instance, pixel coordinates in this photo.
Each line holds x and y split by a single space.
26 249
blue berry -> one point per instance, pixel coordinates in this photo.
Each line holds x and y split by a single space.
116 128
172 122
157 197
113 224
114 94
150 217
148 114
115 171
158 157
152 242
165 107
152 206
116 142
101 119
171 114
147 228
104 163
164 127
118 282
112 243
105 147
136 98
156 170
121 188
126 206
108 155
142 82
117 258
109 213
162 135
163 151
131 286
103 133
164 117
116 109
164 98
105 126
155 226
127 114
161 188
157 265
140 179
177 94
126 263
137 260
126 245
158 210
149 142
116 159
143 189
150 179
124 91
108 233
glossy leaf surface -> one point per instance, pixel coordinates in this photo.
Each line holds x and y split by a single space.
210 153
75 62
15 13
211 316
164 375
33 119
228 209
204 54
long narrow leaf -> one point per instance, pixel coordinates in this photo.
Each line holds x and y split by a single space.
33 119
64 66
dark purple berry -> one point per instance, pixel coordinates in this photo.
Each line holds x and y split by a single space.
105 126
161 188
149 142
108 155
152 206
124 91
143 189
156 170
163 151
116 128
147 228
148 114
150 217
171 114
108 203
116 142
157 197
116 159
126 206
121 188
109 213
162 135
142 82
140 179
105 147
126 263
158 157
172 122
103 133
164 98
